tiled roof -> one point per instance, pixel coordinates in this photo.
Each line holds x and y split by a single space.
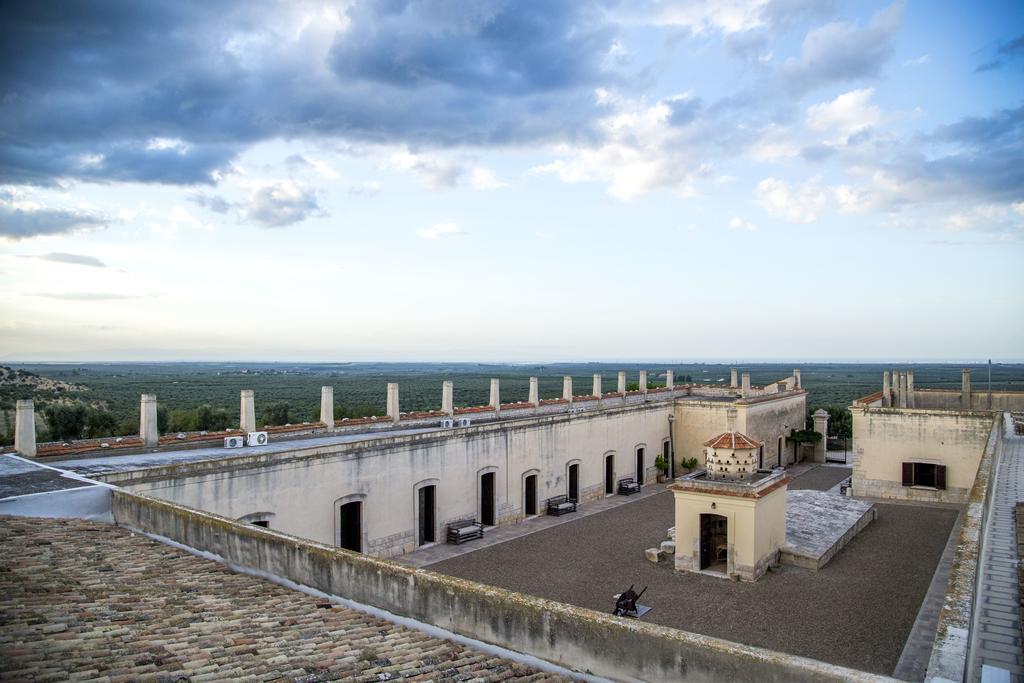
733 440
86 600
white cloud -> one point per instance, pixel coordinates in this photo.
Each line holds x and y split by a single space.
640 151
702 16
847 114
435 172
280 203
738 223
918 61
484 179
370 188
440 230
801 204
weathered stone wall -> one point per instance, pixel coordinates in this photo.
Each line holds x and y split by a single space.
884 438
763 418
949 399
304 488
948 661
617 648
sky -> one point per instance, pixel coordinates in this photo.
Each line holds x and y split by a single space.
512 181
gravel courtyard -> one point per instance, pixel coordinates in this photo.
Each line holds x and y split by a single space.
856 612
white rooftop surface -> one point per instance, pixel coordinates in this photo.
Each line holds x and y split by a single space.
92 466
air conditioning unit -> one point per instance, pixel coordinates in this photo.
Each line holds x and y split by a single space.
257 439
233 442
464 421
447 424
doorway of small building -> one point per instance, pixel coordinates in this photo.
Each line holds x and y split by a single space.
574 482
350 526
714 543
640 466
609 474
426 500
487 499
530 495
760 457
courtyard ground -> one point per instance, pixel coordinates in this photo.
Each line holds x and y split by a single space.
856 612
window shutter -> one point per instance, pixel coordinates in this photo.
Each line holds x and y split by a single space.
908 474
940 477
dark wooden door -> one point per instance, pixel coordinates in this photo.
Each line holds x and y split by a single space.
350 526
713 539
574 482
640 466
426 514
609 474
530 504
487 499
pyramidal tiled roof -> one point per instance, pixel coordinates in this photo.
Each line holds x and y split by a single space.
733 440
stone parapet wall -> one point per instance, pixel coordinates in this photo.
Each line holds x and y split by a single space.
880 488
612 647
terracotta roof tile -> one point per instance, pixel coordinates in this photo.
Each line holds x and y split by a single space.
733 440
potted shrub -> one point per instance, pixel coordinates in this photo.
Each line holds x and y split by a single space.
687 465
662 464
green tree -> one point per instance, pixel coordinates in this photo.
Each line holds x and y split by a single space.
276 414
211 419
99 423
182 420
66 421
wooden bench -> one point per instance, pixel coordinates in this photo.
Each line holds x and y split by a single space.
628 486
466 530
560 505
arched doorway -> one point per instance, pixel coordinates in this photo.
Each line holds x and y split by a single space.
640 465
487 498
426 501
530 495
609 474
350 526
714 542
574 482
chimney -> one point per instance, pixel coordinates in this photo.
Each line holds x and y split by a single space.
448 398
745 388
247 414
796 376
886 390
327 406
965 390
495 400
596 391
148 431
567 388
25 428
393 406
643 381
730 419
670 379
534 392
622 383
733 378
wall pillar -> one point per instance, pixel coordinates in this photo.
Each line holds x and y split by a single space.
734 378
903 390
820 418
596 391
393 406
534 392
910 389
643 382
247 413
327 406
25 428
670 379
622 383
567 388
965 390
745 385
796 377
448 398
886 390
495 400
148 431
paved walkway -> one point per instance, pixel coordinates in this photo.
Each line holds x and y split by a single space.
84 600
913 664
997 642
439 552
